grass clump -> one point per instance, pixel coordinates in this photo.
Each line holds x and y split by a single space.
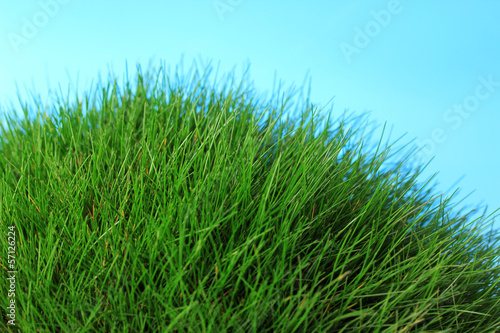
177 207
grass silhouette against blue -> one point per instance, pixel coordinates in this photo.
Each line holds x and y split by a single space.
173 206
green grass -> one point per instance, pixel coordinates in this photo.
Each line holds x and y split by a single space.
172 206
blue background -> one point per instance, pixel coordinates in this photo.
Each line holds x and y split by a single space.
430 69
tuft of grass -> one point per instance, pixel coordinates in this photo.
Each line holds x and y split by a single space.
177 207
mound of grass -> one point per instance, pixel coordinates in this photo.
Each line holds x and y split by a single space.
177 207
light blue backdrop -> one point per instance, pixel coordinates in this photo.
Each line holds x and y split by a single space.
431 69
